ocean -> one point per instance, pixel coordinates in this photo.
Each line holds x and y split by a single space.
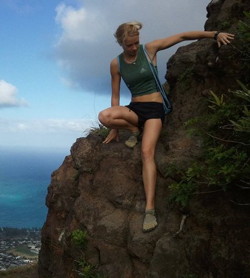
24 179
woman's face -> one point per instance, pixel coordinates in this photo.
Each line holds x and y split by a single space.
130 45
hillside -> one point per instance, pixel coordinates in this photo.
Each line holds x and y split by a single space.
96 198
28 271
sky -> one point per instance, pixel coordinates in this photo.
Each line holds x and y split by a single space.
55 58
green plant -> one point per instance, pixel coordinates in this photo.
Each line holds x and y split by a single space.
241 47
79 238
86 270
171 170
101 130
225 155
224 25
243 124
182 192
83 268
216 101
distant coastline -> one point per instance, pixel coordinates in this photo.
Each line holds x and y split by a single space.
24 178
19 247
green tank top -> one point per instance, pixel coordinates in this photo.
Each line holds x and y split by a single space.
138 76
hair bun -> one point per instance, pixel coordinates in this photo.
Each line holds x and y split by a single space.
127 29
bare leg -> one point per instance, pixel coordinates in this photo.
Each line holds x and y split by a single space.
151 133
119 117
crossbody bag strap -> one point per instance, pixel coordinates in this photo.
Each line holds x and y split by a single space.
166 102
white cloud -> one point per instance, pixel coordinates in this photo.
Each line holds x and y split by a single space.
22 126
8 96
78 24
86 44
49 133
45 126
73 125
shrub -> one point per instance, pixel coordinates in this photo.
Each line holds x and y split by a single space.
225 155
79 238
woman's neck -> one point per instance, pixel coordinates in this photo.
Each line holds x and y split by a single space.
129 58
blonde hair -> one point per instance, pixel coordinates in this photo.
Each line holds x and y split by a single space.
127 29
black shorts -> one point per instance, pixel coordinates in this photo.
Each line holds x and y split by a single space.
146 111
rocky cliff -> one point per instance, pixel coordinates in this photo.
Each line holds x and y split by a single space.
98 188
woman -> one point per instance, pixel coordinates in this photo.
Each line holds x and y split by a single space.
145 112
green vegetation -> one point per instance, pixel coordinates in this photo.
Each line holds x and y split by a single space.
225 158
83 268
26 271
225 128
79 238
224 25
23 251
241 47
101 130
86 270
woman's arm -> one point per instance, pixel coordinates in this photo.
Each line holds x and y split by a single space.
161 44
115 98
115 82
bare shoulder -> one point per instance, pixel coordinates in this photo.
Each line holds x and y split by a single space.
114 62
114 66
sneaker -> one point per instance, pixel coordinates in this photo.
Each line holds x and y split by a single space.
150 221
132 140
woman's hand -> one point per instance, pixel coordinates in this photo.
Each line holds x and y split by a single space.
113 135
224 38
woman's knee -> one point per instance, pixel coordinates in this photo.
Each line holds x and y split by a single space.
105 117
102 116
147 153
